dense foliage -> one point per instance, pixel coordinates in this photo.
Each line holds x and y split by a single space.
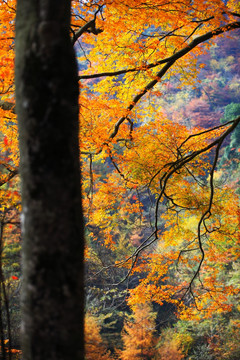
159 140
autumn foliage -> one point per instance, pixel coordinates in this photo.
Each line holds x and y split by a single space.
160 211
139 335
94 347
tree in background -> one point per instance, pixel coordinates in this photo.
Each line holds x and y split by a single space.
139 335
94 346
173 345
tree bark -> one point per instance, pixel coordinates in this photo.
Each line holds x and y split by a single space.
52 221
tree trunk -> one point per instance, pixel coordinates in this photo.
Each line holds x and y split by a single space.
52 222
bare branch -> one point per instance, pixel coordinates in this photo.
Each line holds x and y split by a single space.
206 215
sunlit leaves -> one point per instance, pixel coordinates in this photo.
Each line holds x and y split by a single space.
94 347
139 169
139 334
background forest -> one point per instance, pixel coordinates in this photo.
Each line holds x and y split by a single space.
160 179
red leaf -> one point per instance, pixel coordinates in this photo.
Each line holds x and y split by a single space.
5 141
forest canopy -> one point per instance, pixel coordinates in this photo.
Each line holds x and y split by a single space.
159 141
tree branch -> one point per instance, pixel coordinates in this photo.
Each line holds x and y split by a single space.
169 62
6 105
89 27
176 56
12 172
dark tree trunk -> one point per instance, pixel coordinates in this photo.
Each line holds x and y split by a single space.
52 222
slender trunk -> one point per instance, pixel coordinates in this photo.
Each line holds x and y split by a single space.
3 351
8 317
52 222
